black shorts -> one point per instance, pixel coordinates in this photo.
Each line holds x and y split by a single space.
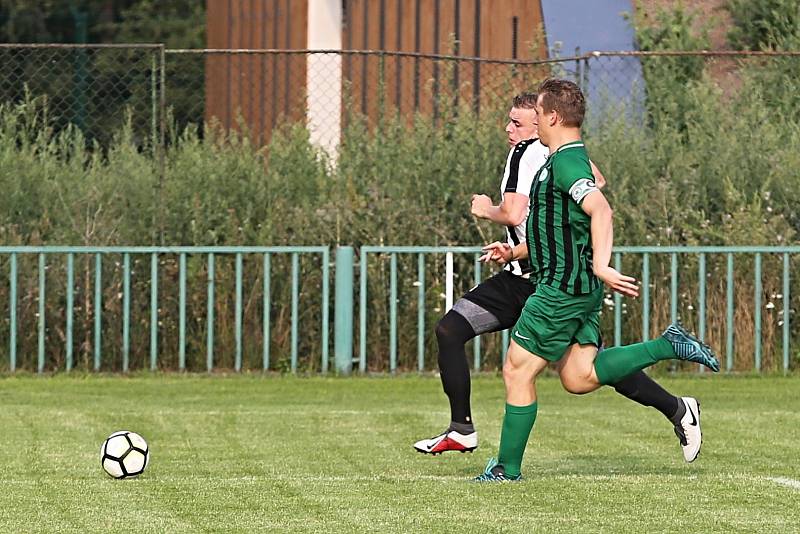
496 303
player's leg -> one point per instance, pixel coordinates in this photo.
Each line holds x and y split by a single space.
576 371
542 334
643 390
638 386
493 305
452 332
614 364
519 375
582 372
682 412
675 342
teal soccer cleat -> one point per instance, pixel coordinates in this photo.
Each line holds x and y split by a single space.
494 472
689 348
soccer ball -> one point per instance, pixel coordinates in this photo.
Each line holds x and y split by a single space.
124 454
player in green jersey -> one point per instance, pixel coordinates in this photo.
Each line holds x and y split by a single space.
569 242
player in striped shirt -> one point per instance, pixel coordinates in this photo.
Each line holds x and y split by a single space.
496 303
569 242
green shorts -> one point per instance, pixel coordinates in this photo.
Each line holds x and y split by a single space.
552 320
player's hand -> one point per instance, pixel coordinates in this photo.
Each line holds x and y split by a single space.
480 204
617 281
497 252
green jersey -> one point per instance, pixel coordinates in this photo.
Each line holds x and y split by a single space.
558 231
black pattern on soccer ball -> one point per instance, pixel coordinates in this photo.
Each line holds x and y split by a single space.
124 454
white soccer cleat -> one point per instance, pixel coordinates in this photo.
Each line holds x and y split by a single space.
450 440
688 431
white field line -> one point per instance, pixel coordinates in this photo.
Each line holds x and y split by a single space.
783 481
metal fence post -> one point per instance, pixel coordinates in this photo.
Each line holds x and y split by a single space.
343 312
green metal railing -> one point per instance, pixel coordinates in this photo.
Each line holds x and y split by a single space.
44 253
642 254
702 252
421 253
712 263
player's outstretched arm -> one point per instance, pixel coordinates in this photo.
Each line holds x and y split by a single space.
596 206
510 212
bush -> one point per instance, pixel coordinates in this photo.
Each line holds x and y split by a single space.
763 25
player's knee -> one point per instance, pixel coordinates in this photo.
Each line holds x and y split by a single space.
453 329
508 372
443 333
514 374
576 383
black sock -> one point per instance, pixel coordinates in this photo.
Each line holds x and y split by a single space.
641 388
452 332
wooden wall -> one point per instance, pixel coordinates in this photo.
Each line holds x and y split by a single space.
496 29
264 89
261 89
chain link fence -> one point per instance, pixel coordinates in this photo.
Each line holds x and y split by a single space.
100 88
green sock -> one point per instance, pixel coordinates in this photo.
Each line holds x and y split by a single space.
614 364
517 425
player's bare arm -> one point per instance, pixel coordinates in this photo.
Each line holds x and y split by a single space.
596 206
510 212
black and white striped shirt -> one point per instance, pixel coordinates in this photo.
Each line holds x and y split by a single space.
524 160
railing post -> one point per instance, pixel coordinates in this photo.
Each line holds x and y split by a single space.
343 312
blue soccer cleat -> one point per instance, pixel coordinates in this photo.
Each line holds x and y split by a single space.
689 348
494 472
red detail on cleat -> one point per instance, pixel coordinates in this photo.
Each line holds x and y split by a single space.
448 444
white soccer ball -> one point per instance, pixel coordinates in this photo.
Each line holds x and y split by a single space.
124 454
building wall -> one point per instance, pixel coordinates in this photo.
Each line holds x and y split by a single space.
496 29
264 89
260 89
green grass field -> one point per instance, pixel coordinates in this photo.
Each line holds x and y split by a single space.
251 453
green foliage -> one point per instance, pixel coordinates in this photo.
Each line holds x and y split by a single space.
720 185
177 23
770 25
764 24
667 76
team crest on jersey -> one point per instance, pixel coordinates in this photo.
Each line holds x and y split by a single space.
543 174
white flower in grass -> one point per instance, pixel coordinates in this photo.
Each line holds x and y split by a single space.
690 307
770 305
